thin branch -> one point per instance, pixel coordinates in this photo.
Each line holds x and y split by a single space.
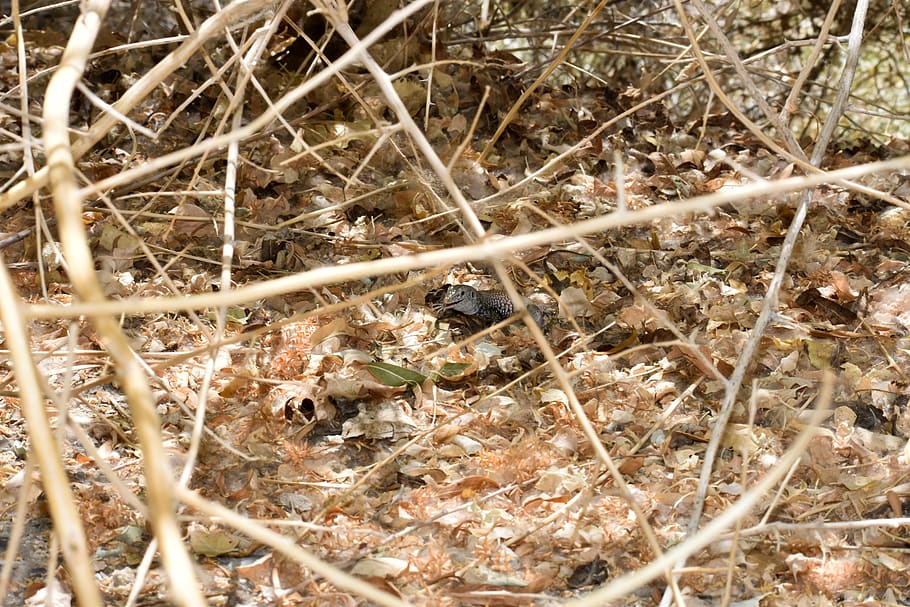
68 206
485 250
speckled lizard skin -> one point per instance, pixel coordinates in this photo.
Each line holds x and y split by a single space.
486 307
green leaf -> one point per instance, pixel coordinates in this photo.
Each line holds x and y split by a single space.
395 376
453 369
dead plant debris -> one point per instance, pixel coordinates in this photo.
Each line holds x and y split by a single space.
441 461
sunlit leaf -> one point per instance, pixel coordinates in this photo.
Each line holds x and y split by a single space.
393 375
453 369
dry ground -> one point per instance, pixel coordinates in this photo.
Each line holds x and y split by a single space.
444 466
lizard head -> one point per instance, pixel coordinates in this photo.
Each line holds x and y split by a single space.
461 298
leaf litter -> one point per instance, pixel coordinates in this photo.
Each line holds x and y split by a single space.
445 466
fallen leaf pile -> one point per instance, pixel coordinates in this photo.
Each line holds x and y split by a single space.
445 463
